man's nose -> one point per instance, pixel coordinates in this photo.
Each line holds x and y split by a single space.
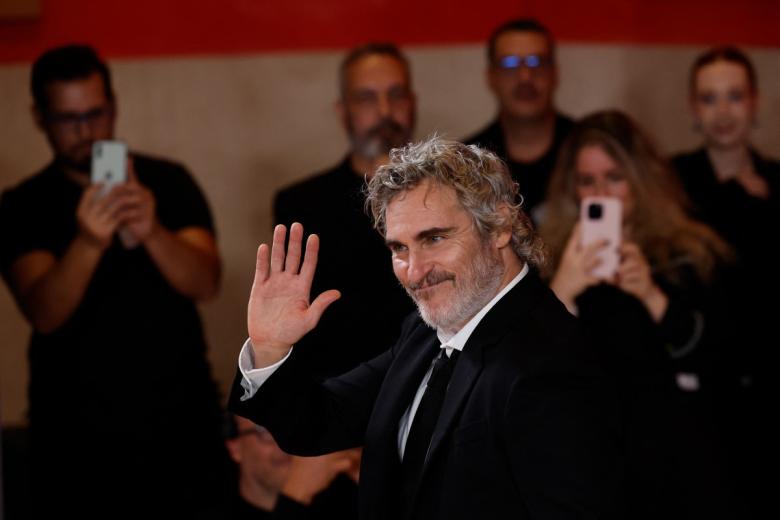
83 128
525 73
383 105
418 267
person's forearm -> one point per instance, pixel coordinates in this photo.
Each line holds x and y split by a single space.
50 301
656 302
190 271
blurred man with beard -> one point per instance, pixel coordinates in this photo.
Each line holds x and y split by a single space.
377 110
527 133
111 322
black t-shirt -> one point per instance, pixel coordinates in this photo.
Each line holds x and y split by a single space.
132 356
353 258
532 177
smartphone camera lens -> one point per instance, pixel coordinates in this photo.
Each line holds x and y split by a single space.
595 211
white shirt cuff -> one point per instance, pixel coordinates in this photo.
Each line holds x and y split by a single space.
253 378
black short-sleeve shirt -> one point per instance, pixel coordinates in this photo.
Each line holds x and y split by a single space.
110 363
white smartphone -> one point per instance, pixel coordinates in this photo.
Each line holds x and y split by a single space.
602 219
109 164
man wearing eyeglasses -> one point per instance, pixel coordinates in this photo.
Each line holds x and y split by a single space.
376 106
527 133
111 322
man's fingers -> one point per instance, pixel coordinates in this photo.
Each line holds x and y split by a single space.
310 260
277 250
261 266
293 260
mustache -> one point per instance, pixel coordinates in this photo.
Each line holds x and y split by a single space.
387 129
525 90
431 279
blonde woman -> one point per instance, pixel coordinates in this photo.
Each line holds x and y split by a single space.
657 323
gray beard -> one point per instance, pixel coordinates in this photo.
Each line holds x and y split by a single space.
473 291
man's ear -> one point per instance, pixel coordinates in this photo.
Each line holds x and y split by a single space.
503 235
490 79
38 117
341 112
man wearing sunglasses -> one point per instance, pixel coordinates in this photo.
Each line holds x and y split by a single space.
528 131
110 323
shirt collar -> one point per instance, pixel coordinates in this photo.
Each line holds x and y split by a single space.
458 341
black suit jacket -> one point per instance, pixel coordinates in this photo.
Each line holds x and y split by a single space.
527 429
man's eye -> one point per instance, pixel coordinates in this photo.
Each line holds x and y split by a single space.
736 96
398 94
364 97
707 99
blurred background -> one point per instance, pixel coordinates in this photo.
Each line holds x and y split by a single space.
243 92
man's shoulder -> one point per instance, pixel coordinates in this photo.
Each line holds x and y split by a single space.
534 317
320 187
164 176
563 123
490 136
146 165
32 186
315 182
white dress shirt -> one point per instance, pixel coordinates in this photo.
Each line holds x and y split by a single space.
253 378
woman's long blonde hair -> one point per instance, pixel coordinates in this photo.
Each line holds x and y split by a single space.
658 223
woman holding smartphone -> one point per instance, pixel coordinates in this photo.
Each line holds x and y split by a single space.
656 321
736 190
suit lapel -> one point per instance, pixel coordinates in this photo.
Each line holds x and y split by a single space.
381 449
509 312
467 369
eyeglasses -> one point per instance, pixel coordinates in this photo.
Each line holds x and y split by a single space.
534 62
71 121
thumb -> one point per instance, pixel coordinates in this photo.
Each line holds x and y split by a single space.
342 465
321 303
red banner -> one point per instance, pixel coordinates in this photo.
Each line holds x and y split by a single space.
139 28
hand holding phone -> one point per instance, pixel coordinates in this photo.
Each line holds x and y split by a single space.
109 168
109 164
602 220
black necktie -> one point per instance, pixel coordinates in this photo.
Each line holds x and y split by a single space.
424 423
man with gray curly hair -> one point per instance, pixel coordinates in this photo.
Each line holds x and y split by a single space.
480 184
486 406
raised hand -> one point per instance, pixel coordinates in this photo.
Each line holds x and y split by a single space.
574 271
280 312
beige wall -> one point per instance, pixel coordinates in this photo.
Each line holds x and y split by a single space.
248 125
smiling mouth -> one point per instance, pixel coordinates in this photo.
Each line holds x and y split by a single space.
429 282
429 286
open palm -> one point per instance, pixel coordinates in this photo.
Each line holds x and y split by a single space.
279 312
